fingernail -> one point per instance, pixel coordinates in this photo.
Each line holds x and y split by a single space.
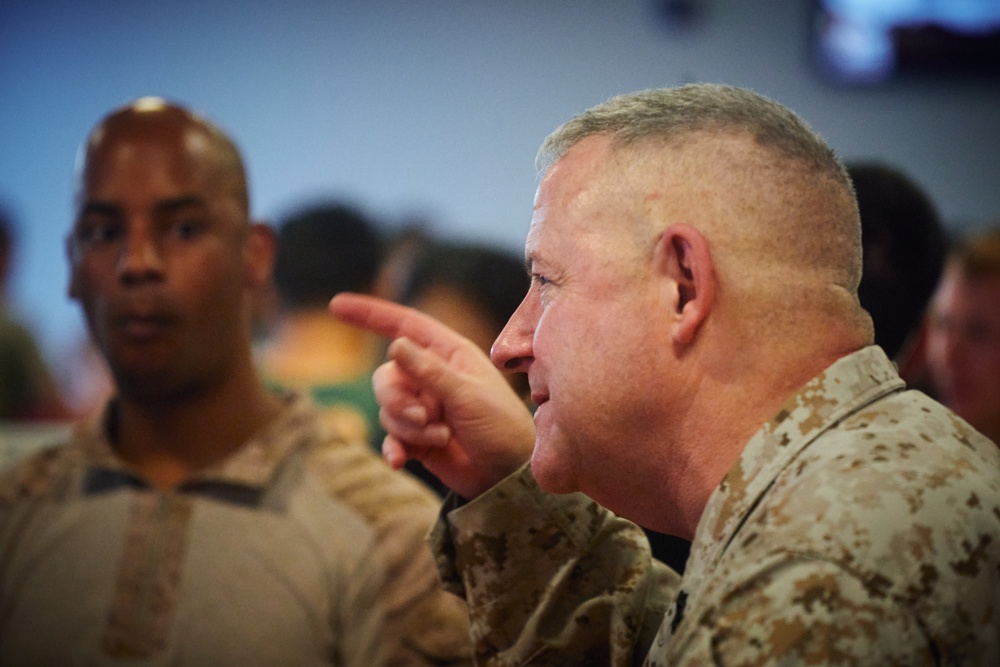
415 413
439 433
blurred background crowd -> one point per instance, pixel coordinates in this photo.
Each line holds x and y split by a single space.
390 147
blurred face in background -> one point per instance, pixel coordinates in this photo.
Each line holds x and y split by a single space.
458 312
963 347
157 256
468 318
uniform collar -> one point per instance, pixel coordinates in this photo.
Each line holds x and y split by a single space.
844 387
251 467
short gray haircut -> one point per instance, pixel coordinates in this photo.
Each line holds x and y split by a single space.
796 211
667 114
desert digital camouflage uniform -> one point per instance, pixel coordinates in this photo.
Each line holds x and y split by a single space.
861 526
302 548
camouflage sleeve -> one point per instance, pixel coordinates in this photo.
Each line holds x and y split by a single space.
552 580
798 609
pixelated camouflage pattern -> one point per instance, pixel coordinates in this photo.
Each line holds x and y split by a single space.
554 583
861 526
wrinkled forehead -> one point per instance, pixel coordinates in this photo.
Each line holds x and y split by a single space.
594 196
600 171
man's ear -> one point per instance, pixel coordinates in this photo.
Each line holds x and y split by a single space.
261 247
686 261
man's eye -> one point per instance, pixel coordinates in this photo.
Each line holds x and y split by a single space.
98 233
187 229
540 279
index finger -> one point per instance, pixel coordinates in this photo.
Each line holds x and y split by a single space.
393 320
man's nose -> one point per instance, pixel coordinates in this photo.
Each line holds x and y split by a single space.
141 258
512 351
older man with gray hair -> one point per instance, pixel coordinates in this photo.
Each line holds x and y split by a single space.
701 366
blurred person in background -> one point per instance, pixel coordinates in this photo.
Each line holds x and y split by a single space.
472 288
323 249
28 391
85 377
403 248
201 519
963 340
903 248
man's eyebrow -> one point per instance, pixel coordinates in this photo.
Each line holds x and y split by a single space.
165 206
99 207
171 205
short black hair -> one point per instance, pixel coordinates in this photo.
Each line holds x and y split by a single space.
490 277
6 228
323 249
7 241
903 245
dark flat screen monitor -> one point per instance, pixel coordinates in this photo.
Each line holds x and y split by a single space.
871 42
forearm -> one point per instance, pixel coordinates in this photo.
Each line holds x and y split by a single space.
551 579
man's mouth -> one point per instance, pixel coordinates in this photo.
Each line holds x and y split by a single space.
142 325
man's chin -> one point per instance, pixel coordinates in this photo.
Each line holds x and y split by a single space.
550 473
154 385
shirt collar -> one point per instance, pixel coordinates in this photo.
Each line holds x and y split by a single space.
251 466
845 386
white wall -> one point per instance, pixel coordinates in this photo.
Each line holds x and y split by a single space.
428 107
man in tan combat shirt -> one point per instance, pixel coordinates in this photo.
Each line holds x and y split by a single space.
701 366
201 519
